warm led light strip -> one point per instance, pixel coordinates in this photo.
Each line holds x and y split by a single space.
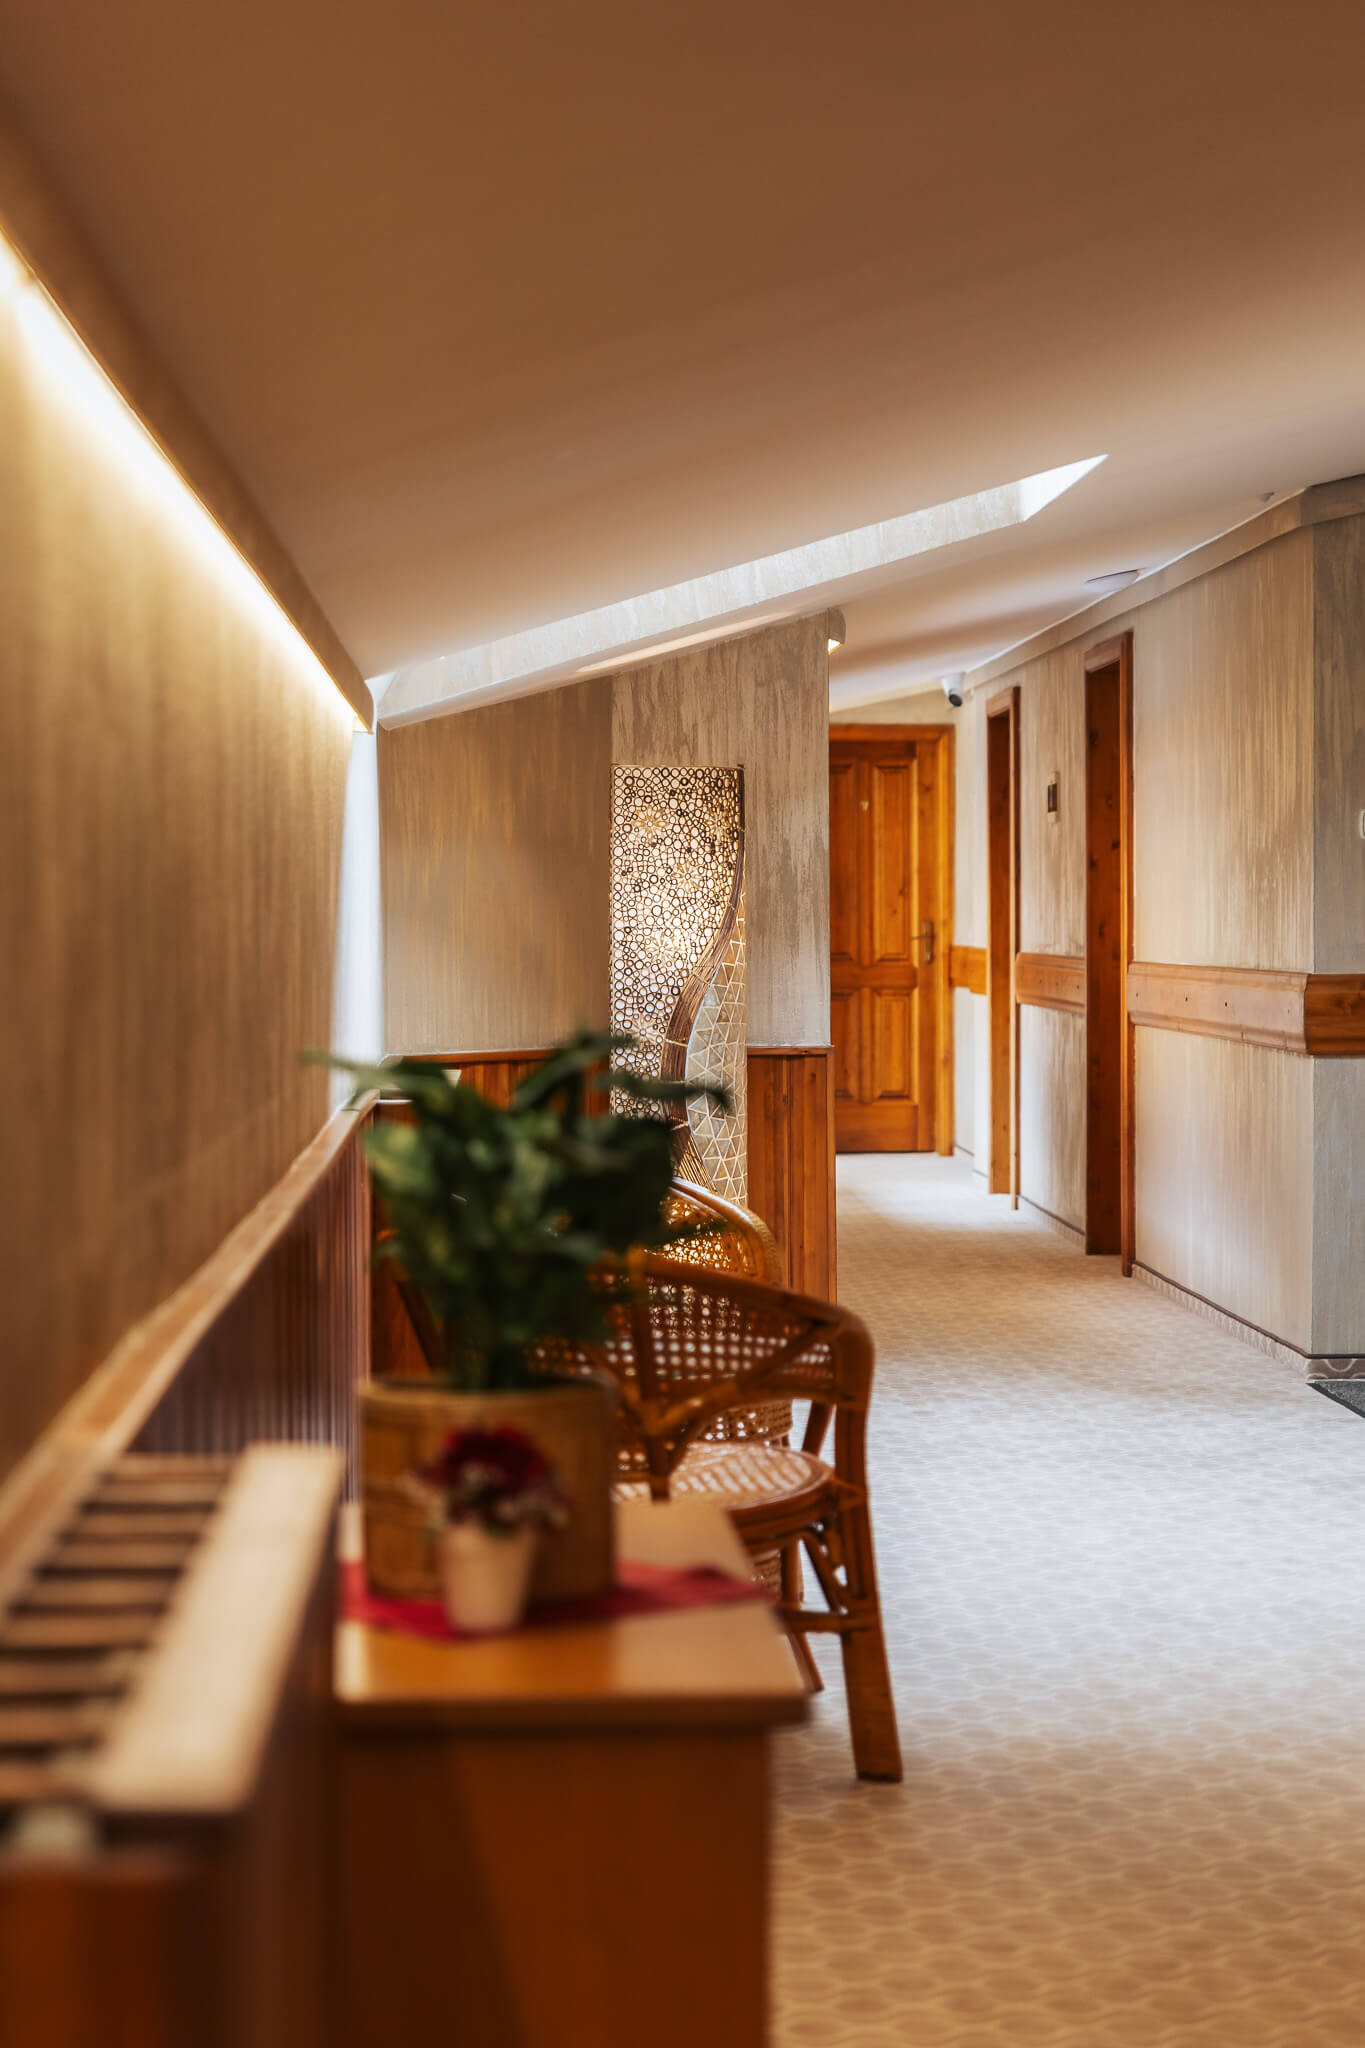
84 390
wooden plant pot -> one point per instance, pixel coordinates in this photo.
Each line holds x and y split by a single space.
404 1424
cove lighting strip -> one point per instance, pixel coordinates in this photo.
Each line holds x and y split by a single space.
57 359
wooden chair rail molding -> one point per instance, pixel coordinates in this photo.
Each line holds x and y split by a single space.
1050 981
967 968
1322 1015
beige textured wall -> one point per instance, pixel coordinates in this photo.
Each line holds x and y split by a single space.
1052 853
1339 1206
1223 765
172 778
1339 748
494 840
761 701
1225 1176
1052 1112
1249 774
495 837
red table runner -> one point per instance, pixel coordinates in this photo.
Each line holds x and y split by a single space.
639 1589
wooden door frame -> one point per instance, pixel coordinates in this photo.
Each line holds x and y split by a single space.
1002 938
943 739
1118 652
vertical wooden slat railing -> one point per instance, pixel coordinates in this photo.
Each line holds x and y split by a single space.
280 1362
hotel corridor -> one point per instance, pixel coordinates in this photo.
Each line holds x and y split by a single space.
1127 1631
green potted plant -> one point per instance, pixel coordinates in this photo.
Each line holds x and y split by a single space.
510 1228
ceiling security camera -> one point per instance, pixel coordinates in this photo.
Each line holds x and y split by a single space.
952 688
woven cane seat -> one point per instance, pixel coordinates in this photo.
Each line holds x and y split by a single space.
745 1478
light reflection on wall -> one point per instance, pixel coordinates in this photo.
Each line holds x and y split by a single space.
113 435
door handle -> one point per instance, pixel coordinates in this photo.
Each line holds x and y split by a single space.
925 937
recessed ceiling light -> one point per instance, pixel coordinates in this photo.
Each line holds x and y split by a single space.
1117 579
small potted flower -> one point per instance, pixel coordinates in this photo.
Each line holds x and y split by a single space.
490 1492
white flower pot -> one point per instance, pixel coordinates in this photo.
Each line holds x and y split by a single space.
485 1578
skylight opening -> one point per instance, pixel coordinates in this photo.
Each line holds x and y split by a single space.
704 607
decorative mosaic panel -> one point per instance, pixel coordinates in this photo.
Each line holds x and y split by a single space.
677 950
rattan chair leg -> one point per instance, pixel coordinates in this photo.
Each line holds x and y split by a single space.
791 1600
871 1707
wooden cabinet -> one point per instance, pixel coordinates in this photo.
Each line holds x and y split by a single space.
559 1838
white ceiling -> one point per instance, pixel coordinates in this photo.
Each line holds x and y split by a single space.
510 313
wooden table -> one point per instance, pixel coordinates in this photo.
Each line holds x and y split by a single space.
559 1839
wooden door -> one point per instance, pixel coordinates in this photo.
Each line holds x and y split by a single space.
1103 962
884 800
1109 1139
1002 938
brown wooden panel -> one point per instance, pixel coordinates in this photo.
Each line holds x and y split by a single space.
1002 920
496 1075
891 903
1104 963
632 1752
1128 1089
891 906
791 1159
1334 1016
1053 981
967 969
791 1173
891 1025
106 1950
843 891
929 884
845 1031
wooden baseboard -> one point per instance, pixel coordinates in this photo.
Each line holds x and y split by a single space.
1312 1365
1050 981
1322 1015
1056 1224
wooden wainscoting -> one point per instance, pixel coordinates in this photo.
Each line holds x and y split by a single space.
791 1166
497 1075
1322 1015
1050 981
967 969
791 1159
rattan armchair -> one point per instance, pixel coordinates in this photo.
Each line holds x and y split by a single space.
695 1345
736 1241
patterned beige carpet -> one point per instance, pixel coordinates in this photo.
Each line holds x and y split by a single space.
1119 1558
